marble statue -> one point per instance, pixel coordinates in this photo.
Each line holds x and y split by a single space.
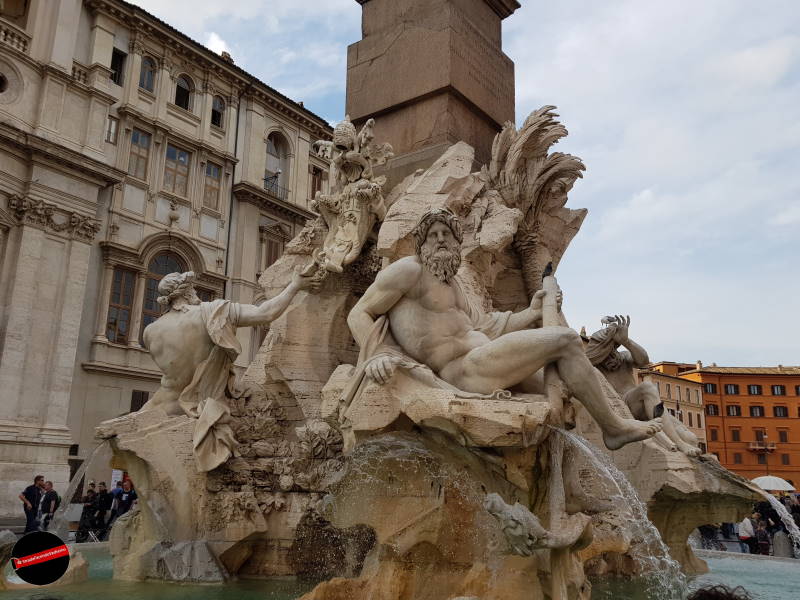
194 344
417 309
356 201
642 399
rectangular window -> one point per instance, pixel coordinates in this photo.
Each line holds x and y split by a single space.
762 459
731 389
712 410
734 410
783 436
140 154
697 396
754 390
736 435
797 390
138 399
710 388
778 390
759 433
658 387
713 434
212 185
699 420
703 447
119 306
112 126
737 458
678 393
669 392
690 420
176 171
780 411
784 459
316 181
756 411
117 65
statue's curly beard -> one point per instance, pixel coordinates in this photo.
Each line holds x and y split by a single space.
443 263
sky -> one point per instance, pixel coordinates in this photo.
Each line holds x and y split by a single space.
687 115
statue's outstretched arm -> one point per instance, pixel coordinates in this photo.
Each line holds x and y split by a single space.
269 310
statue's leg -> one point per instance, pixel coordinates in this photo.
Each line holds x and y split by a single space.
511 358
642 400
166 400
672 428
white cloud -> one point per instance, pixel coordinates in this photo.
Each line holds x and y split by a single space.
216 44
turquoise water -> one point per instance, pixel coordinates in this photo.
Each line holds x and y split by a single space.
764 579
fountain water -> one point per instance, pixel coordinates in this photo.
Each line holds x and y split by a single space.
59 525
788 522
660 573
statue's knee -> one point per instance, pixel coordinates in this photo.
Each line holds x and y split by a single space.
569 338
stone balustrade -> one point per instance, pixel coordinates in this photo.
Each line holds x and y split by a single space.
14 37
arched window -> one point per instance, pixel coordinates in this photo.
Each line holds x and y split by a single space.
183 92
162 264
276 172
147 75
217 111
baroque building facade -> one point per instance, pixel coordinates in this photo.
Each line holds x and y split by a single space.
127 151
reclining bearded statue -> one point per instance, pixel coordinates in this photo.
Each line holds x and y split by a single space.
642 399
416 316
194 344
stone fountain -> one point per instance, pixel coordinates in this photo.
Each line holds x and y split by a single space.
402 431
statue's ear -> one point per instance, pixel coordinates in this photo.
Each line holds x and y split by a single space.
658 410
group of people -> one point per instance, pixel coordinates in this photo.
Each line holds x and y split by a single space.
756 532
101 507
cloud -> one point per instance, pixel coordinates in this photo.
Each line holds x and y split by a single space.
217 44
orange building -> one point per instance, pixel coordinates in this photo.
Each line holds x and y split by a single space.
752 417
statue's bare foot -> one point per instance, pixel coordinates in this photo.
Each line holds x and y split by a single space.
667 443
629 431
688 449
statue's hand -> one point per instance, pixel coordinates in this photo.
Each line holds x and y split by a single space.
537 300
304 279
621 334
381 368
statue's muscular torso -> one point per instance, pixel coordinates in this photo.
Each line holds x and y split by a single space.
430 321
178 342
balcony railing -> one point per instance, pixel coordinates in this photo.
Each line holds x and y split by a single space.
761 447
272 186
14 37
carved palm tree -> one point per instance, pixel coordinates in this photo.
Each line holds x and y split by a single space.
536 182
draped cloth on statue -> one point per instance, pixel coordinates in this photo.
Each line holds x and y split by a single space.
380 343
214 382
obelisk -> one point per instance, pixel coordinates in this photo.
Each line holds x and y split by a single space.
431 73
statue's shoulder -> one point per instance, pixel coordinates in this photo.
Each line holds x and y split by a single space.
402 273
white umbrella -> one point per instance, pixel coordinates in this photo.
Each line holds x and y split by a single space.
773 484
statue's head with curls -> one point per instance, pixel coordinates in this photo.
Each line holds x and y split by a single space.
438 238
177 290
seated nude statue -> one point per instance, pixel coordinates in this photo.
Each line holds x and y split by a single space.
643 399
432 321
194 344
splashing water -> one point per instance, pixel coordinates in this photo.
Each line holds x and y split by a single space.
660 574
59 525
788 522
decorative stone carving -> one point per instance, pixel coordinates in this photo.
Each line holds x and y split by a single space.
642 399
194 344
32 211
356 201
416 316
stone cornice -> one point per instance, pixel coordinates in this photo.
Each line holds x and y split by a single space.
120 371
247 192
503 8
49 217
51 151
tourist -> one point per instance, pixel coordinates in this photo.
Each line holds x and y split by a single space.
720 592
104 502
126 499
31 496
747 533
88 513
50 502
762 535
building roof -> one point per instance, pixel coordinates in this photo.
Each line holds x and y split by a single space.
660 374
296 106
779 370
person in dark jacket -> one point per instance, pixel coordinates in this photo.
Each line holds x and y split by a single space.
88 513
31 497
50 502
104 502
